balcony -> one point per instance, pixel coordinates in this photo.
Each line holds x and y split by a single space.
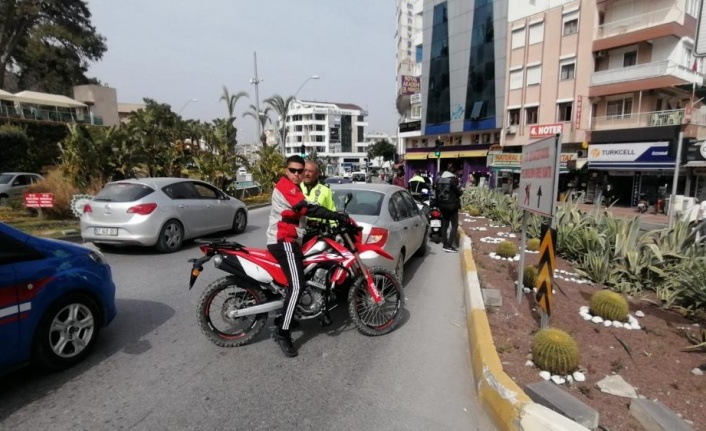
639 22
647 119
418 8
52 115
644 71
418 69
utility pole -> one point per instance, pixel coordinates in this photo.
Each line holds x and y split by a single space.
257 81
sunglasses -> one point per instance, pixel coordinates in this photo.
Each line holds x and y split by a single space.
296 171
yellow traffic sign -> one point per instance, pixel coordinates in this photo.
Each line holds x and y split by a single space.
547 264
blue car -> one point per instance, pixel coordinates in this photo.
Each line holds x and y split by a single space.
54 299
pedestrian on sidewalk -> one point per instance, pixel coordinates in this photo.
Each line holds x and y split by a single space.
448 198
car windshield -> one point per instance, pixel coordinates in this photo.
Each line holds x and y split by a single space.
358 177
363 202
123 192
5 178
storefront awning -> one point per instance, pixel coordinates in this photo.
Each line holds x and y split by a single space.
473 153
416 156
696 164
4 95
47 99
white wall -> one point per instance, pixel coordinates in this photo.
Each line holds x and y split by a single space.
519 9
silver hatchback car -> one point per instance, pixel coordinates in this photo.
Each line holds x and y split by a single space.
160 212
390 218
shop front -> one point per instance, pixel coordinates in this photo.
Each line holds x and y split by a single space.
627 170
469 160
695 168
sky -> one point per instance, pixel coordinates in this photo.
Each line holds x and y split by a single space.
177 50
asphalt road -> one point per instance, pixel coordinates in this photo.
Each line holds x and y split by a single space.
154 370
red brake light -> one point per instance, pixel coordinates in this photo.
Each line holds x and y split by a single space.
378 236
87 209
436 214
143 209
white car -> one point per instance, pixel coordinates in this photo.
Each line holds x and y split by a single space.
15 183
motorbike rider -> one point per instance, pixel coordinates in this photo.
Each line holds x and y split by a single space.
416 184
286 228
315 192
448 199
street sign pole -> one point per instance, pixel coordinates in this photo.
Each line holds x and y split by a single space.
523 246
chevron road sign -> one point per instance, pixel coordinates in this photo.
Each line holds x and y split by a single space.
547 263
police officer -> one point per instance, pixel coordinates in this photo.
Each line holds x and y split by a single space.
315 192
416 184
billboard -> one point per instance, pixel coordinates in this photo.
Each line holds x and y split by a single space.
410 85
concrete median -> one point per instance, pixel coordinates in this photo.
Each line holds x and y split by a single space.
503 400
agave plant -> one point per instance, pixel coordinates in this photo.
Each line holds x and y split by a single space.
685 284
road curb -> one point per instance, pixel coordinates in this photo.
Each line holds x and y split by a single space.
502 399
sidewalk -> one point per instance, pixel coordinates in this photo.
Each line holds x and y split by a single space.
648 220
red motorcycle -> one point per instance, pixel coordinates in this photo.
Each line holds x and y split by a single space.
234 309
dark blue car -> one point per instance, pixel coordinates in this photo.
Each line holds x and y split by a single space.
54 299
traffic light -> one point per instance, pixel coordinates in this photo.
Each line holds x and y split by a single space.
438 143
302 151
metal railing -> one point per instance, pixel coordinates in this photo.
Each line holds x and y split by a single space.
646 70
637 22
647 119
57 116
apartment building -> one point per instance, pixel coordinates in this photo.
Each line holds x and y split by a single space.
617 79
462 86
335 130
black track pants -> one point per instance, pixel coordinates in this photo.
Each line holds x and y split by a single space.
449 217
291 259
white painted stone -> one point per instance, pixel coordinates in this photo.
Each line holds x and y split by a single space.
558 380
587 317
569 379
617 324
639 313
546 375
607 322
631 319
584 308
597 319
697 372
579 376
616 385
529 363
526 289
635 326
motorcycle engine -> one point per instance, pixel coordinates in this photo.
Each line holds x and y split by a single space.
311 300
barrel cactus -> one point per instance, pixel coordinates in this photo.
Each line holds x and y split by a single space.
555 351
506 249
533 244
609 305
473 211
529 276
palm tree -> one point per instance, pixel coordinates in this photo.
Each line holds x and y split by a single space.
268 168
264 119
281 107
231 100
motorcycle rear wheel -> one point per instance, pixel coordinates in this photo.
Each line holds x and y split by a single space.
370 318
221 296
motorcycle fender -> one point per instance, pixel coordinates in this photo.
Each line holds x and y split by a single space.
365 248
254 271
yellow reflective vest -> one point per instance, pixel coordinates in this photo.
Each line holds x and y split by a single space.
319 194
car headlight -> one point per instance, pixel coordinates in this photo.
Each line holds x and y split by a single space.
97 257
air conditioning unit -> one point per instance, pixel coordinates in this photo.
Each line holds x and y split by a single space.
511 130
600 54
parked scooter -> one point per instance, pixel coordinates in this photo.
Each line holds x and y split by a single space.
642 204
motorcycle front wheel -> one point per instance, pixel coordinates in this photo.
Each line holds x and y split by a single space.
222 296
376 319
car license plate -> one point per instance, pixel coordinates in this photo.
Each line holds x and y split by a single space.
113 231
436 223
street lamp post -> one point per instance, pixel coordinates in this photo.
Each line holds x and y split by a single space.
185 104
256 81
284 150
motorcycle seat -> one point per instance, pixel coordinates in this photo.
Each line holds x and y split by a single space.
262 253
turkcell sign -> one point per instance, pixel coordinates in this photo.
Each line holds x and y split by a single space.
539 165
630 154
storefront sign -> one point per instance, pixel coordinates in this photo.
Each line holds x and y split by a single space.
636 154
410 85
577 119
415 99
411 126
545 130
505 160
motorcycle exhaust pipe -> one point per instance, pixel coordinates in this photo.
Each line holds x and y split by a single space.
257 309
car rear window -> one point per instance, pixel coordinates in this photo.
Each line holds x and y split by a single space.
358 177
363 202
5 178
123 192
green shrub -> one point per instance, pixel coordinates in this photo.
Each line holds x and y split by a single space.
506 249
555 351
473 211
609 305
529 276
533 244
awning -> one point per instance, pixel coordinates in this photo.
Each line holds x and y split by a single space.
47 99
4 95
696 164
473 153
416 156
444 155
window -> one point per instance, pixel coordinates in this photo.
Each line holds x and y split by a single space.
417 111
568 69
205 192
319 127
298 128
571 23
513 117
619 108
402 211
411 204
516 79
418 54
319 138
181 190
534 75
518 38
361 118
531 115
630 59
320 117
564 111
536 33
